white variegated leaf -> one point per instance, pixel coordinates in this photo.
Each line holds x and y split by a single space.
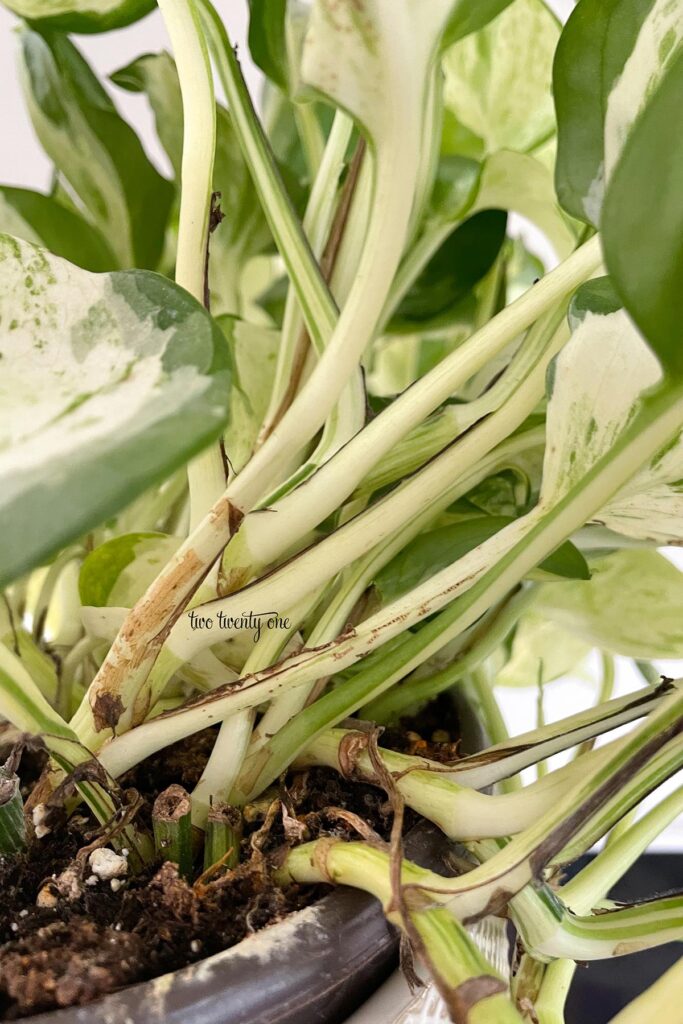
659 40
595 386
372 58
612 58
498 80
109 382
651 506
631 605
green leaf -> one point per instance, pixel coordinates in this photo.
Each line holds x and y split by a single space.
109 382
455 189
81 15
155 75
464 258
541 652
267 39
630 606
96 151
434 550
642 222
118 572
254 354
43 220
498 80
40 667
611 56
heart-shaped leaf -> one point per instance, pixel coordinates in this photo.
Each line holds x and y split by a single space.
109 382
630 606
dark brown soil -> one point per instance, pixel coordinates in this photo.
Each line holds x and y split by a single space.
83 948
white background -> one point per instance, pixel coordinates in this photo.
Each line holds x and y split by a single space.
23 163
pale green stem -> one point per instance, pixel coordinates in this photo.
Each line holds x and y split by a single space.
414 693
594 882
460 812
450 953
310 133
359 577
128 663
608 671
206 473
317 220
431 487
221 771
301 510
522 859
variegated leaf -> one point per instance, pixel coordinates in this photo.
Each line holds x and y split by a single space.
373 59
497 80
595 385
109 382
612 57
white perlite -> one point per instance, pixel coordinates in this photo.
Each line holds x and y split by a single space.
39 827
106 864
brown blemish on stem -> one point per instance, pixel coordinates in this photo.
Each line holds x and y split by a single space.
465 997
107 709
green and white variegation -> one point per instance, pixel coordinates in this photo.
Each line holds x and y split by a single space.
109 382
484 89
596 384
376 60
631 605
602 375
612 57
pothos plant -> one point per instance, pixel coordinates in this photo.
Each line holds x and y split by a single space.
301 438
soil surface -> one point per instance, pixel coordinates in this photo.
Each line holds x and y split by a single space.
69 939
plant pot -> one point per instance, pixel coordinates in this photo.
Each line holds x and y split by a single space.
315 967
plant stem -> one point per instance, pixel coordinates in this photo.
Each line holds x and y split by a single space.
316 224
173 829
222 837
449 951
415 693
12 823
206 473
